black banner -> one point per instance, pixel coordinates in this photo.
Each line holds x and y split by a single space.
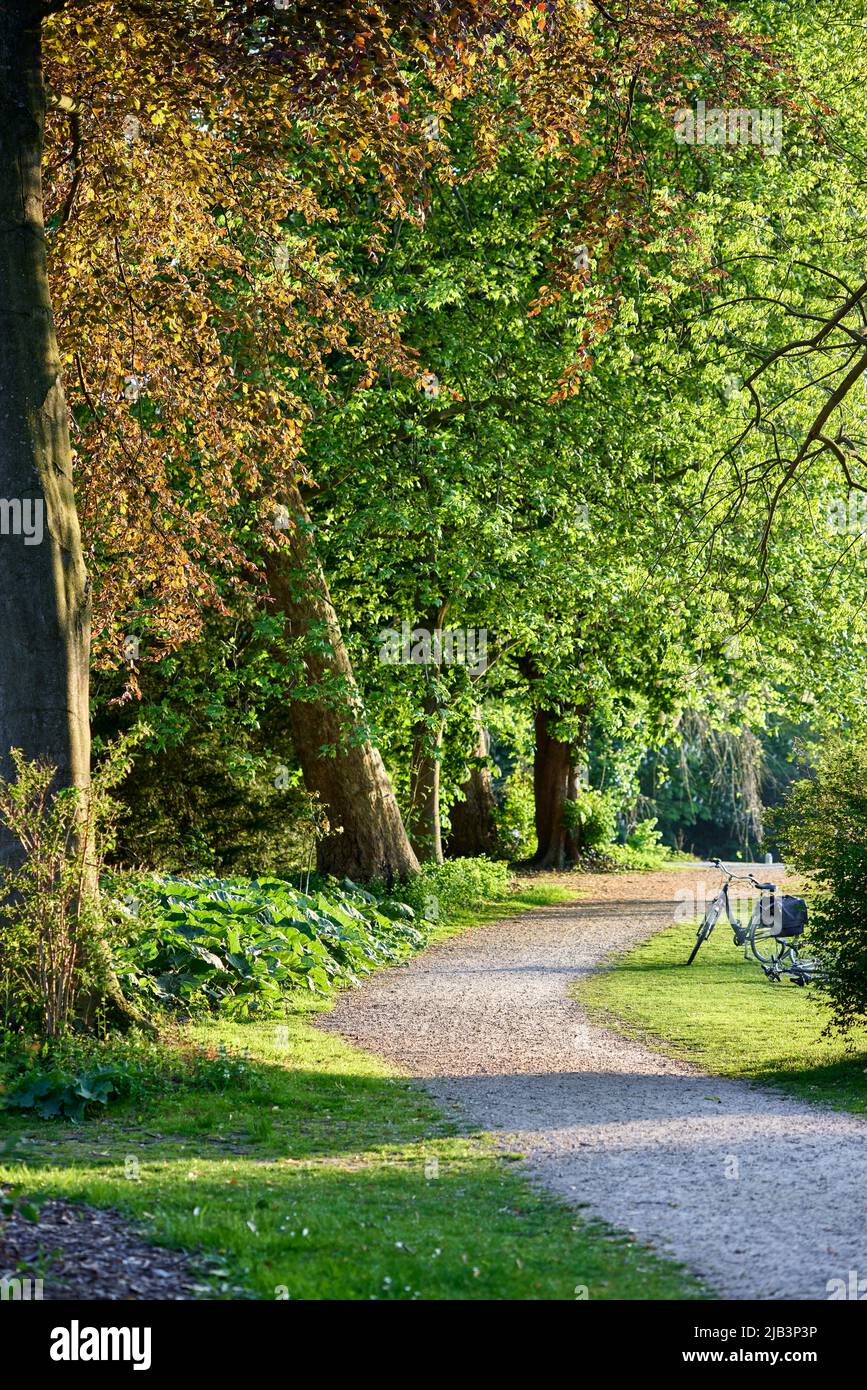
231 1341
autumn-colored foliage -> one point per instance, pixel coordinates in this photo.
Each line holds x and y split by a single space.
190 155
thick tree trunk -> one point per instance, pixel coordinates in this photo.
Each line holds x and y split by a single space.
553 779
44 588
557 777
366 837
474 829
44 591
425 825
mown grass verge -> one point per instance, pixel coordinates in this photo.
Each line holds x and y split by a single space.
722 1014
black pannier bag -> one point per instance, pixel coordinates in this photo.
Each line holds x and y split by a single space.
781 913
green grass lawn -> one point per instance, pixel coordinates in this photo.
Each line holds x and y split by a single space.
320 1173
722 1014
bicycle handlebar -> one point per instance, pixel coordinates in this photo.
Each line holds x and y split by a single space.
747 877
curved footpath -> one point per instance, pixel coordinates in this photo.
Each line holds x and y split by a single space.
485 1021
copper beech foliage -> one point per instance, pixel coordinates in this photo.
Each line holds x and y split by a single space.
195 305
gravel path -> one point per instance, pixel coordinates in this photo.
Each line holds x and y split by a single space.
760 1194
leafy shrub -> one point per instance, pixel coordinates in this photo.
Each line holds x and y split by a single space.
205 806
50 947
596 861
822 827
215 786
643 849
442 891
76 1077
60 1093
515 816
593 815
239 945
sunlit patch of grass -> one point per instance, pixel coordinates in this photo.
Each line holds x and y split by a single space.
723 1014
321 1174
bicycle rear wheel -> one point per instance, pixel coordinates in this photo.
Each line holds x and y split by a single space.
768 950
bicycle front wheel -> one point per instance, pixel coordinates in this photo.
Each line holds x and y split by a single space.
704 931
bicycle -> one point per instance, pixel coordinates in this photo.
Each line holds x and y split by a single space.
775 924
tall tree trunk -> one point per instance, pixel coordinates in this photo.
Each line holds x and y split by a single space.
552 782
557 777
366 837
474 829
425 824
44 590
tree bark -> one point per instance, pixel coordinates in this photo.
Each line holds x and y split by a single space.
553 779
474 829
366 837
557 777
425 823
44 590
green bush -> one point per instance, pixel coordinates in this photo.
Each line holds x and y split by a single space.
58 1092
515 816
238 945
593 815
52 956
206 806
643 849
443 891
822 827
215 786
77 1076
597 861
